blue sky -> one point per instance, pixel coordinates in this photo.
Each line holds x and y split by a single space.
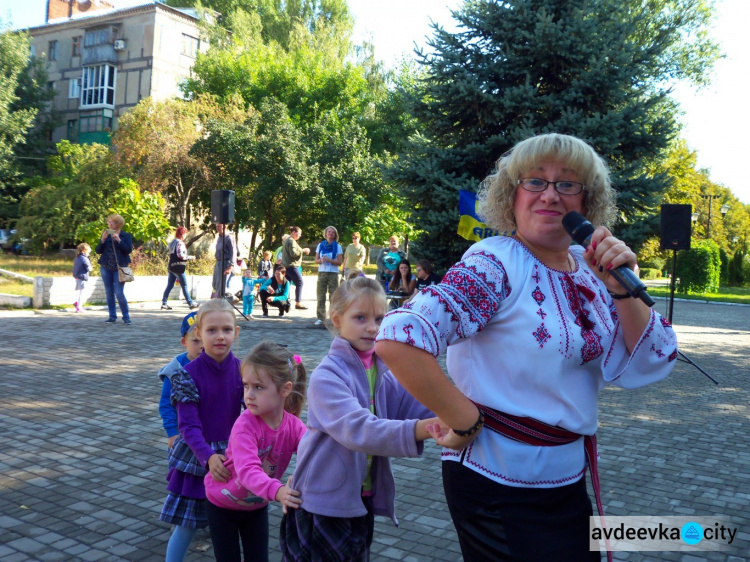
716 120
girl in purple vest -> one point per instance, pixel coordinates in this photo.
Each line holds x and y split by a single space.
208 396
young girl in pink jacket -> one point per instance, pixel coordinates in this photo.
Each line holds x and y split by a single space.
260 448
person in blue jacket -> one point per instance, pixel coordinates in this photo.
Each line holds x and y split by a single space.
114 247
190 341
275 291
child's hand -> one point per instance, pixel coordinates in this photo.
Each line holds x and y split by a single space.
217 469
445 437
288 497
421 432
171 441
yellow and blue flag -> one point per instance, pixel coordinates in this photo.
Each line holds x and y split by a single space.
470 226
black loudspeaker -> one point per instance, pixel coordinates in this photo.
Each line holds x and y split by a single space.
676 225
222 206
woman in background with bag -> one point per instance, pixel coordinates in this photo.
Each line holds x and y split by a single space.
178 259
114 248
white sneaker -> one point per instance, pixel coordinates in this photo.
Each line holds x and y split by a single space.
318 322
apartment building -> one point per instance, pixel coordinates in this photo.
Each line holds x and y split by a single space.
103 60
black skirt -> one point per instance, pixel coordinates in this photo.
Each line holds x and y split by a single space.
498 522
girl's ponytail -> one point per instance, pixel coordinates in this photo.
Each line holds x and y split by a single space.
298 376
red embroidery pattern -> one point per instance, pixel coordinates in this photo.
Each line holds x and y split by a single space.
471 292
407 330
592 347
659 352
538 296
672 356
542 335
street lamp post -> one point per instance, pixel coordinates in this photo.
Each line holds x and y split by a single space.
724 210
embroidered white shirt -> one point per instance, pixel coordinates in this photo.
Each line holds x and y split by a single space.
529 341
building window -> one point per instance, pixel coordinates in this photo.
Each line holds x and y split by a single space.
52 52
51 85
76 46
96 121
74 88
98 86
32 50
100 36
190 45
73 130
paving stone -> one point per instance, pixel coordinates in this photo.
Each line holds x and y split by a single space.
88 456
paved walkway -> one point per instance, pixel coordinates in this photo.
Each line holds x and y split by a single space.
83 455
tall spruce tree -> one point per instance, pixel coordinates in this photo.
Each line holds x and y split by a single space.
596 69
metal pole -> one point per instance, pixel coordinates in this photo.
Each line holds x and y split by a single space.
671 286
708 230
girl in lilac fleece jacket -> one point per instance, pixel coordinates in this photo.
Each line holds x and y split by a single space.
358 416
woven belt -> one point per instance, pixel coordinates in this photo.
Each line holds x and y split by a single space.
534 432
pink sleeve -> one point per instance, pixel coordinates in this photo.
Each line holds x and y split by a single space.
249 469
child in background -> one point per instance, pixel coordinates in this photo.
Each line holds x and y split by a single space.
189 340
265 266
208 395
81 269
358 416
260 447
248 292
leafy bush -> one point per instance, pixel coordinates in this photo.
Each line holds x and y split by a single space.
650 273
735 273
698 269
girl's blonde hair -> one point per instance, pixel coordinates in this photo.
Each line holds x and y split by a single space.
357 288
83 247
497 194
282 367
214 305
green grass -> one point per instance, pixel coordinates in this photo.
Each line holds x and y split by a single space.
34 266
11 286
740 295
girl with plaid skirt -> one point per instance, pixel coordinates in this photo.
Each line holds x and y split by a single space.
208 396
358 416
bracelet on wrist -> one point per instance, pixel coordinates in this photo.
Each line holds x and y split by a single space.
617 297
473 429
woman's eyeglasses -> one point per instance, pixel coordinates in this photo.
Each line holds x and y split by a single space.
536 185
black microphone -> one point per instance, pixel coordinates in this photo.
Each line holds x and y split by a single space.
580 231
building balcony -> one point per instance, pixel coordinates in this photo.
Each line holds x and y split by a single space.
99 54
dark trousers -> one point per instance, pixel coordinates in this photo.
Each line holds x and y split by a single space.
294 274
228 527
281 305
497 522
170 285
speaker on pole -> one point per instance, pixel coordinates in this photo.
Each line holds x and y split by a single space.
676 226
222 206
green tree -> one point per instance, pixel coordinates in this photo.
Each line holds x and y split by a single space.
82 181
265 161
280 22
153 143
15 121
85 185
143 212
597 69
